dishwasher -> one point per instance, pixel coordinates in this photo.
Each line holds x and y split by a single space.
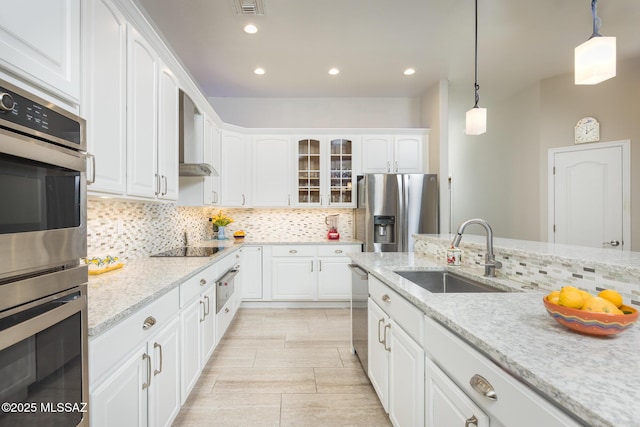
359 325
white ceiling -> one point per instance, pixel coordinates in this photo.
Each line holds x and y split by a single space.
373 41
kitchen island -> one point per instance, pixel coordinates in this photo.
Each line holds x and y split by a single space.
595 379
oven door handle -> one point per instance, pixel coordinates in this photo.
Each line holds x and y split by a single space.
30 327
229 275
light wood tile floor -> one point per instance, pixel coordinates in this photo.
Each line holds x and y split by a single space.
284 367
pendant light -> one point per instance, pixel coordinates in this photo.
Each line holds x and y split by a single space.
595 59
476 117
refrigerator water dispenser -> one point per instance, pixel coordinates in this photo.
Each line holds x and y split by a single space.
384 227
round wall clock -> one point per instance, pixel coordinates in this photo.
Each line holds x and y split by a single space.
587 130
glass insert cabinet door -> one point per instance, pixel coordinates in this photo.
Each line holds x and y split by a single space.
340 171
309 163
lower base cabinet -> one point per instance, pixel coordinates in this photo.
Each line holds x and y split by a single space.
145 389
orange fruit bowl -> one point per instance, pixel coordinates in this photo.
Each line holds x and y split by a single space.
592 323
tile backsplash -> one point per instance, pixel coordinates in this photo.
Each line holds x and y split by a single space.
130 229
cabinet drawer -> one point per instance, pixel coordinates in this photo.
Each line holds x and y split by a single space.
227 262
461 362
192 287
108 349
407 315
337 250
290 250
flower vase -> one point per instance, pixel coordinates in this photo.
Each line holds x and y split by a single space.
221 232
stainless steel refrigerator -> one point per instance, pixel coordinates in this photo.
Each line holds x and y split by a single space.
393 207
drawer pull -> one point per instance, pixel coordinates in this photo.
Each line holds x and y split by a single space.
473 421
338 251
148 322
293 251
386 298
226 310
203 282
484 387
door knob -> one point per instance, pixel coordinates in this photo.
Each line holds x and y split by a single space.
612 243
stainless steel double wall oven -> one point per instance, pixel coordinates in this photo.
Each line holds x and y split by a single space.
43 236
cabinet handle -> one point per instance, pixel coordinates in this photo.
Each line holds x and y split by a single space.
388 167
471 421
293 251
338 251
312 266
380 340
384 343
386 298
158 371
157 191
289 200
203 282
226 310
166 185
148 359
483 386
243 200
148 322
396 166
204 314
319 265
92 158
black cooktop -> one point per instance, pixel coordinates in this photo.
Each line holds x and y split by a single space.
189 251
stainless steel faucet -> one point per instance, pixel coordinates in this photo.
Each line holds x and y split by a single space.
490 263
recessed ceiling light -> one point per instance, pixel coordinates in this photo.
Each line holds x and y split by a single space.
259 71
250 28
409 71
334 71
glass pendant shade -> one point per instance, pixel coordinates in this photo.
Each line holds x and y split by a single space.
476 121
595 60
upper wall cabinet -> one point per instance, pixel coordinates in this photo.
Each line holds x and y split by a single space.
168 139
271 171
105 95
392 154
40 41
325 171
234 173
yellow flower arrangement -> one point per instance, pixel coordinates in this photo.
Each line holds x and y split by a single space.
221 220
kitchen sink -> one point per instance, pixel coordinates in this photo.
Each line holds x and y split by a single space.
438 281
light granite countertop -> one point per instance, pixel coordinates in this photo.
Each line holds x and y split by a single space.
596 379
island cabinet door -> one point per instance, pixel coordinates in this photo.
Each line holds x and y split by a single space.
406 378
378 354
446 404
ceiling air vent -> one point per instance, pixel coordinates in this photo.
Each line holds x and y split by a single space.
249 7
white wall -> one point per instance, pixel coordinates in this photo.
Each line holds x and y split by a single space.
319 112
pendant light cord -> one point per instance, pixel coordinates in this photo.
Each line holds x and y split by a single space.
596 20
476 86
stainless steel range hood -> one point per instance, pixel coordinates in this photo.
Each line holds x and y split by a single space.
191 153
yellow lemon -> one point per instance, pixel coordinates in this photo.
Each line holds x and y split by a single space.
585 295
600 305
553 297
613 296
571 297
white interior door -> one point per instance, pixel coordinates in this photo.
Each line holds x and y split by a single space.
589 195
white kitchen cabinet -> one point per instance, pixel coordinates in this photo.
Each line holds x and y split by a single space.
142 387
167 161
105 95
334 276
325 171
250 275
271 171
446 405
463 365
392 153
396 355
310 272
40 41
198 326
234 174
142 117
293 273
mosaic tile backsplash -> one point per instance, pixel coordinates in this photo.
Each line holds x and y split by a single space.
136 229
